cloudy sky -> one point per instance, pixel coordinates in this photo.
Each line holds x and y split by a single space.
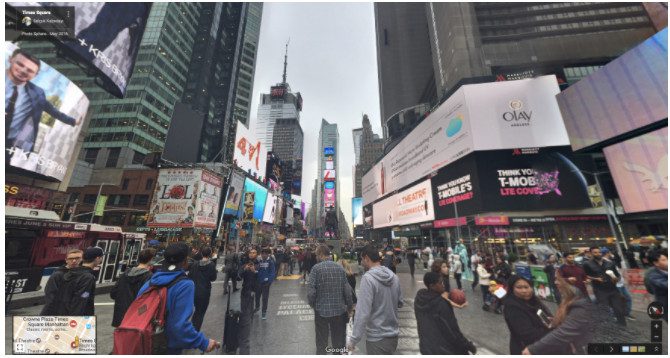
332 62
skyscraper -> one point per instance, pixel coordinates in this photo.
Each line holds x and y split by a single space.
506 40
371 148
278 127
328 138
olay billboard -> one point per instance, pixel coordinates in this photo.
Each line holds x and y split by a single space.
488 116
639 167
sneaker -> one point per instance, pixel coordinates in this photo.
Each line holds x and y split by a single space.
485 307
631 318
264 316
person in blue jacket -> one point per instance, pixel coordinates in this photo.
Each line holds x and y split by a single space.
267 269
178 327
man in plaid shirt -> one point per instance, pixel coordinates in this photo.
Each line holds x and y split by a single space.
330 294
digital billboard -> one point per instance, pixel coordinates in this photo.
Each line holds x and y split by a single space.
250 154
329 198
357 211
329 185
330 165
629 93
270 209
410 206
185 198
260 197
44 113
234 194
329 151
328 175
368 219
639 167
488 116
456 188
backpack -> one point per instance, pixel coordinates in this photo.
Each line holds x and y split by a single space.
142 330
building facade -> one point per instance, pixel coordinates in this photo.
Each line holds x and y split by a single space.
328 138
371 148
288 141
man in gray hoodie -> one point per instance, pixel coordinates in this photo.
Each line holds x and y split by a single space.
377 307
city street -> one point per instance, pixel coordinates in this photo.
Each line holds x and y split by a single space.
289 328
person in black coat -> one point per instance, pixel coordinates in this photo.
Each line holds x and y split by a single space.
521 314
202 273
436 323
126 288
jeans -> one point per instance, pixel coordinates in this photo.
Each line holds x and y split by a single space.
411 267
387 346
246 315
337 326
201 302
615 300
475 280
486 295
629 299
458 276
264 291
230 275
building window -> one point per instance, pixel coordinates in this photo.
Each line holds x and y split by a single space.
150 184
141 200
113 157
90 199
386 37
138 158
124 186
91 155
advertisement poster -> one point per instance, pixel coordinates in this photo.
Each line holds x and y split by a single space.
639 167
329 175
24 196
250 153
368 220
329 198
357 211
488 116
175 198
541 283
209 196
270 209
234 194
44 113
259 199
249 199
411 206
536 179
456 188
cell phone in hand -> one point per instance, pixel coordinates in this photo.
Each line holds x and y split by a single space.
544 318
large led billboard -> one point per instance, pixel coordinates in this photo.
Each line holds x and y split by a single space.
250 153
185 198
639 167
329 198
270 211
410 206
488 116
329 175
234 194
260 197
629 93
357 211
44 112
107 36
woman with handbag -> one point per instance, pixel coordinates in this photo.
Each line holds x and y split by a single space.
572 325
524 315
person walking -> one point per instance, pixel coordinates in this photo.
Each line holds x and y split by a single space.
620 285
351 277
571 327
310 261
180 332
573 273
458 270
230 268
279 256
550 271
604 276
411 260
203 273
475 259
267 271
524 313
377 308
51 289
76 296
330 295
436 322
484 282
248 273
128 285
656 278
442 267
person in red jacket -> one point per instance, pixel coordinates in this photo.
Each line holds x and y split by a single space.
573 274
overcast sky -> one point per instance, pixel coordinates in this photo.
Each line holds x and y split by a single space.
332 62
